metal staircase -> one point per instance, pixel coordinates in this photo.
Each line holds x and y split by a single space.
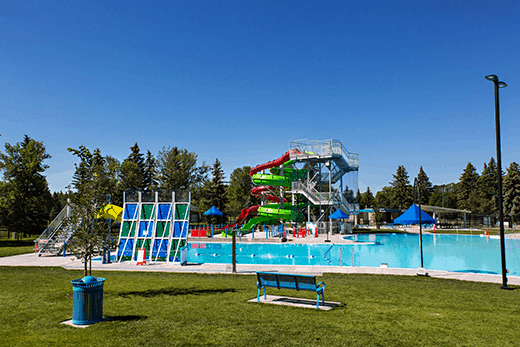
324 198
52 240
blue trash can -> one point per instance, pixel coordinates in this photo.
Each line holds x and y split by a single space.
87 300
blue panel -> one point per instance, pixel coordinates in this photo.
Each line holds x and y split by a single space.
130 211
161 247
145 229
180 229
164 212
126 251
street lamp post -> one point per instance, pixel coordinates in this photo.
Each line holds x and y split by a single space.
498 84
417 183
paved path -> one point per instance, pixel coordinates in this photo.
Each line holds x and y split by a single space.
71 263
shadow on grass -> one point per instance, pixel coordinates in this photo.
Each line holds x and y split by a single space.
176 291
15 243
124 318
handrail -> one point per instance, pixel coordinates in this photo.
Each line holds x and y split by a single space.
54 225
324 148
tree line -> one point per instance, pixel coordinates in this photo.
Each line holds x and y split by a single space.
27 205
473 192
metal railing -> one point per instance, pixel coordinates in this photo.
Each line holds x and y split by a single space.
49 233
323 149
317 198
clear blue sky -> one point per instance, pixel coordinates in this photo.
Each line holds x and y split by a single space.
398 82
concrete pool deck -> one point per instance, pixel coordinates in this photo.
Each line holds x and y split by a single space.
71 263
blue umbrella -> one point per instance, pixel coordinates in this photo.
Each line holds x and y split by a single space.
213 211
339 214
411 216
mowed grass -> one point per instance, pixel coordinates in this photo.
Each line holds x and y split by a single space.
171 309
14 247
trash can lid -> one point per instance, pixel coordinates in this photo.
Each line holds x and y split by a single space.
89 279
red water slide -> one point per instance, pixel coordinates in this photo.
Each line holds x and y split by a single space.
257 191
270 164
243 215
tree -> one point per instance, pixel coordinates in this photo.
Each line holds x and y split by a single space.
239 191
487 186
401 189
131 175
59 200
177 169
467 188
133 170
136 157
90 197
215 192
512 192
367 199
425 186
444 195
384 197
149 181
25 194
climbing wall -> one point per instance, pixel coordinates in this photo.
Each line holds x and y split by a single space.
159 227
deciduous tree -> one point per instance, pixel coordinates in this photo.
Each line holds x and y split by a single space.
90 197
26 197
239 191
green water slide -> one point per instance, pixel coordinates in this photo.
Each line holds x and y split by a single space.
259 220
271 180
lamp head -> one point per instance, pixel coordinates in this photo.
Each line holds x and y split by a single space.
502 85
492 78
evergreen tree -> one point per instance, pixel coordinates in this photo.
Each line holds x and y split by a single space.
215 192
425 186
25 194
384 197
178 169
136 157
467 189
149 181
131 176
401 189
366 199
133 170
487 186
444 195
512 192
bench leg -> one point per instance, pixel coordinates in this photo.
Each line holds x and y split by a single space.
318 299
258 296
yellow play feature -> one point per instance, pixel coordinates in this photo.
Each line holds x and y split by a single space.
111 212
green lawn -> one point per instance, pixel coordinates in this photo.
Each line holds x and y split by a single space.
161 309
13 247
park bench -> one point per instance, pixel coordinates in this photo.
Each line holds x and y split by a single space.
290 281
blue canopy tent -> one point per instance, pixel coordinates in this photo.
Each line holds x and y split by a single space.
339 214
411 216
213 211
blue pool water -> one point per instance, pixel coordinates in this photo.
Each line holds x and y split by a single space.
462 253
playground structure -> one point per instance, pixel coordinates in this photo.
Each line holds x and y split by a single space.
311 173
55 237
157 222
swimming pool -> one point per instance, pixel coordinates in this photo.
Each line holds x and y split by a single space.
463 253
